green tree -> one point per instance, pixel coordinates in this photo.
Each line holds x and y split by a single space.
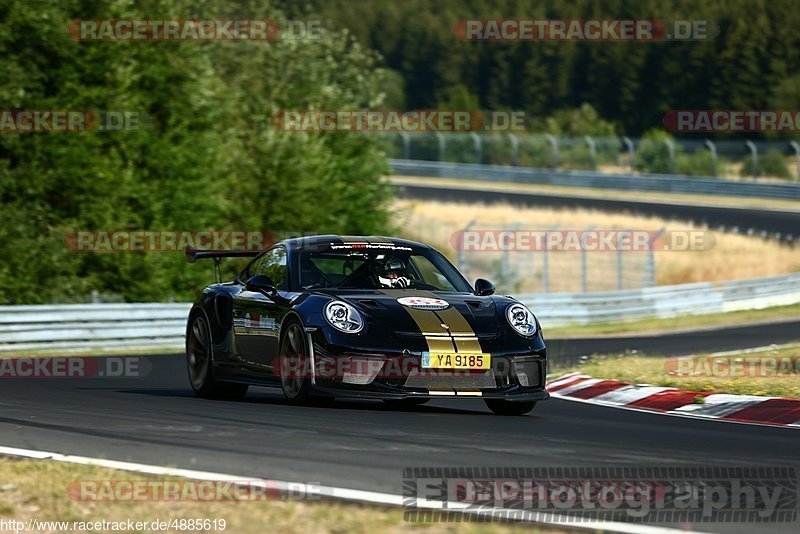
207 157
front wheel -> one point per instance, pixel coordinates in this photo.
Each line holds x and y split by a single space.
504 407
295 366
200 363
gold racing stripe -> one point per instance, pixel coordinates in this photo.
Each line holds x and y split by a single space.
460 336
464 336
436 336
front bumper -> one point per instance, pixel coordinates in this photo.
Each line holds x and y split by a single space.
399 394
351 373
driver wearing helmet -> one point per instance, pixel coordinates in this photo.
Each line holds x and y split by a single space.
392 273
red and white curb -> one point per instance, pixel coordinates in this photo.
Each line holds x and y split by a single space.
773 411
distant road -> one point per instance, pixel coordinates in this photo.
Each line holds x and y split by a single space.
773 221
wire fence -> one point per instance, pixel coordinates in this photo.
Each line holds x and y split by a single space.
537 271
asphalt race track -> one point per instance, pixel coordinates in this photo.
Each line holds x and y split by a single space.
155 419
785 223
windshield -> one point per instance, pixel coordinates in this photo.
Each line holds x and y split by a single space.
395 269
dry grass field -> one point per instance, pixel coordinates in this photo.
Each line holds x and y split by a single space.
730 256
39 491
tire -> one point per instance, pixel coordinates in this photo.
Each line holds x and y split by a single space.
294 380
503 407
404 403
199 360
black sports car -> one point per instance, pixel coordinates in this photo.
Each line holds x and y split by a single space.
362 317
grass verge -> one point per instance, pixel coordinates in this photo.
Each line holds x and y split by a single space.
773 372
39 489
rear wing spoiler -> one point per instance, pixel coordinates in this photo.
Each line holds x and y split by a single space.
192 255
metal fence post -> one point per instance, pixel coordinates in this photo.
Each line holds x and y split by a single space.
514 149
553 150
545 268
442 145
406 144
592 151
671 149
478 147
713 149
584 262
505 268
584 274
460 256
796 147
505 265
650 271
619 262
754 157
631 151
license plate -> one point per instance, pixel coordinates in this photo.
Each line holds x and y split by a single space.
456 360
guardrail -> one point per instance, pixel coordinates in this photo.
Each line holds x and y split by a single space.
666 183
86 326
559 309
140 326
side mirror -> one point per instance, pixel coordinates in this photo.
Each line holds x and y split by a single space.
483 287
263 284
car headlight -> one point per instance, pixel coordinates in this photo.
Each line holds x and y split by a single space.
521 319
343 317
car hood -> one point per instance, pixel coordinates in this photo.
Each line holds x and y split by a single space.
403 311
